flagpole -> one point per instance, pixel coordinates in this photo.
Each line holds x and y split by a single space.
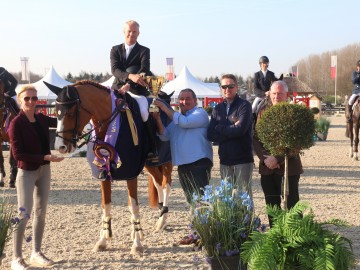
336 79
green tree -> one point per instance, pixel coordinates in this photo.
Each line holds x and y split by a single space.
286 129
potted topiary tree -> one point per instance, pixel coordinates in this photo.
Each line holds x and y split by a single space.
286 129
321 128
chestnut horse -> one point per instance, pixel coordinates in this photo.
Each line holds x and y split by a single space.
75 106
352 127
8 110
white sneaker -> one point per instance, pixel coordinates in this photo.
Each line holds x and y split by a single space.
39 259
19 264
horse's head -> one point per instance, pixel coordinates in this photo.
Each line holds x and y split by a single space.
75 106
166 97
70 118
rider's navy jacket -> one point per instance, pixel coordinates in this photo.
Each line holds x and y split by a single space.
356 82
262 84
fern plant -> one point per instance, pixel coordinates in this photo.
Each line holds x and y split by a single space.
297 241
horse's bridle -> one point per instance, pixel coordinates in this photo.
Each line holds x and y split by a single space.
75 134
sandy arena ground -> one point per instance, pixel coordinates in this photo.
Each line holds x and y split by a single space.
331 183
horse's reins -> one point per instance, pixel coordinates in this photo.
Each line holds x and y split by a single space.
75 136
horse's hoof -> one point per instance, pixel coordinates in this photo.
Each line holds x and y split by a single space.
2 184
12 184
161 226
137 250
99 247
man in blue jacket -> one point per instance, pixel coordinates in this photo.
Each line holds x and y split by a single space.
231 127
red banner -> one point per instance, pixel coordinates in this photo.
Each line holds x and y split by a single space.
333 66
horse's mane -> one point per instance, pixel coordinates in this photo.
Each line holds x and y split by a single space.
97 85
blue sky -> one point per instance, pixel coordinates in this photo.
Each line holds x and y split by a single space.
209 37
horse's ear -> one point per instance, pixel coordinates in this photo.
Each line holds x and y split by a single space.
56 90
281 77
170 95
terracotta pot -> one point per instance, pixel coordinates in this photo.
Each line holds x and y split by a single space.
227 263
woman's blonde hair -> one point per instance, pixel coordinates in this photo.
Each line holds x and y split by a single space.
24 88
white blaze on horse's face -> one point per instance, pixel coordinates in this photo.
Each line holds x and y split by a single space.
59 142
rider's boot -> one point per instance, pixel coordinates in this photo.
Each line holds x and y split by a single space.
150 132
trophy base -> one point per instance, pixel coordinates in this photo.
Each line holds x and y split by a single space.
153 109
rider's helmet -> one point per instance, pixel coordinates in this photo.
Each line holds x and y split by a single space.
264 59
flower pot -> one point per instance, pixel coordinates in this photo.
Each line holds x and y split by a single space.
227 263
322 136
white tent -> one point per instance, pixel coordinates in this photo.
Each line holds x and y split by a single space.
51 77
186 80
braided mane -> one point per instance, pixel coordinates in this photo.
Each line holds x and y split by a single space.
93 83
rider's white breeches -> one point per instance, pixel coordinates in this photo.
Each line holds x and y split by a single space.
143 105
255 104
352 99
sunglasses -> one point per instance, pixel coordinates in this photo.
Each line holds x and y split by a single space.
34 98
230 86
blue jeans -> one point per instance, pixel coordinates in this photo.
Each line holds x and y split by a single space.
194 176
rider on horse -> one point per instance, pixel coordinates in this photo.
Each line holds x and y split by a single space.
356 90
9 81
10 84
128 61
262 81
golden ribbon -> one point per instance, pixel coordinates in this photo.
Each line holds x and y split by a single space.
132 125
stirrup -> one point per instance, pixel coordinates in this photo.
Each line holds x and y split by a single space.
152 157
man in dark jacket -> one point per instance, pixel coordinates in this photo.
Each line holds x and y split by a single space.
271 168
231 127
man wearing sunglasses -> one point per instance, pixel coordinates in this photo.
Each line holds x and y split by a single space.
231 127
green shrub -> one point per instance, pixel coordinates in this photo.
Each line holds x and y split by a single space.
286 129
322 125
297 241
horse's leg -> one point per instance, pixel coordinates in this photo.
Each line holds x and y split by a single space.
356 139
166 187
160 179
350 133
105 231
136 233
13 169
2 168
